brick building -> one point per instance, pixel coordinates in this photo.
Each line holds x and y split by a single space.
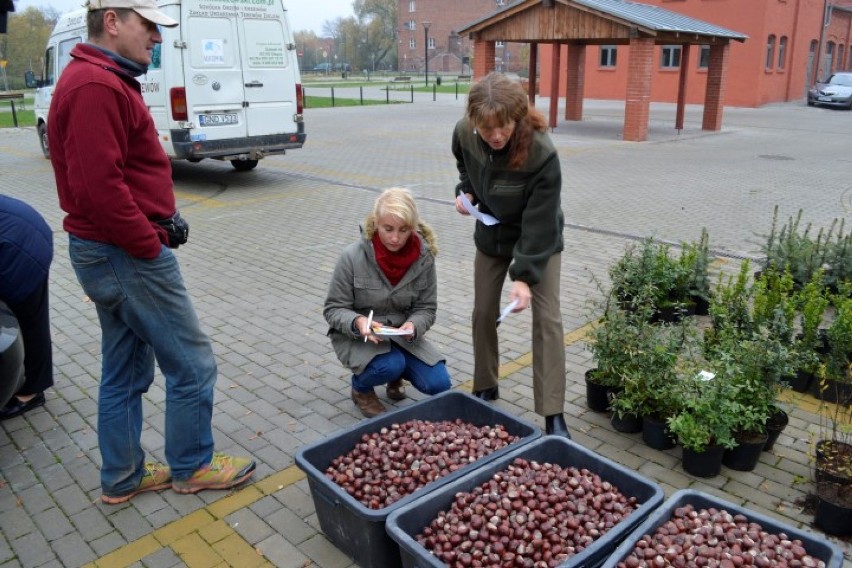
787 48
448 52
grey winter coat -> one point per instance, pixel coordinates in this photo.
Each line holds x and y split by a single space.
358 285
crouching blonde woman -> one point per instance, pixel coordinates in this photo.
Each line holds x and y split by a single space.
382 300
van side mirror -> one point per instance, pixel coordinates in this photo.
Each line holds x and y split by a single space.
30 80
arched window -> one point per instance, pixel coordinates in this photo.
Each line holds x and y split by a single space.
770 51
829 58
782 51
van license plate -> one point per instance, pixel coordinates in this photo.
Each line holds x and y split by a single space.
217 119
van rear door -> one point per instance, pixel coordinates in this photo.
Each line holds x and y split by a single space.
269 74
214 81
241 73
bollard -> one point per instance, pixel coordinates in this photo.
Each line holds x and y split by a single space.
14 114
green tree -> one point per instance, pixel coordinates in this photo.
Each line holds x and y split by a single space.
379 18
23 46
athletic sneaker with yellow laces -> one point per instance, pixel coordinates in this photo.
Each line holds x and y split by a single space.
157 476
223 472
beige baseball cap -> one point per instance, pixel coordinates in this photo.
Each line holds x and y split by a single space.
146 8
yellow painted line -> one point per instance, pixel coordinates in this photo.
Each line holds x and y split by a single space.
202 538
525 360
809 403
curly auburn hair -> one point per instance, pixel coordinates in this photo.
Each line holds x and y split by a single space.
497 100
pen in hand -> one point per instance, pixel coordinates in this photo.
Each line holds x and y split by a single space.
369 325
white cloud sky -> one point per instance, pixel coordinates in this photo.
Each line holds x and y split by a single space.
303 14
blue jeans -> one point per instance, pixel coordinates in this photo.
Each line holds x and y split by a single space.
146 313
398 363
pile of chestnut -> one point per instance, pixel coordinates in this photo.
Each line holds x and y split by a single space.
399 459
715 538
531 514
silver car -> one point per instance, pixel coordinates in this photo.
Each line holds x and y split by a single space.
836 91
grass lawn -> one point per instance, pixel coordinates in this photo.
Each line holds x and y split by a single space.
25 118
325 102
418 84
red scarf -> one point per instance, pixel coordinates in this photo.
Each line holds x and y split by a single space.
396 264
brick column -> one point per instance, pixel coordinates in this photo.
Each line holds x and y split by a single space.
714 96
531 73
638 103
575 81
483 58
553 114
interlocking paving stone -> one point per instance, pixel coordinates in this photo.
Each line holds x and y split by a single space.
257 267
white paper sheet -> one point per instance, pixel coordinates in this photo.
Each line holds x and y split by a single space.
475 213
507 310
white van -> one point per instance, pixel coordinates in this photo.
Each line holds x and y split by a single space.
224 84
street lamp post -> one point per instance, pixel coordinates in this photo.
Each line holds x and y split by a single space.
426 25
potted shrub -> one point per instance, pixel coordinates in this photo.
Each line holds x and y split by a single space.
833 468
793 249
839 259
648 276
773 314
648 376
611 343
695 259
704 424
729 308
811 303
749 349
749 389
835 382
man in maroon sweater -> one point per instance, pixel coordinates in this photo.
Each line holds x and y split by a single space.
114 183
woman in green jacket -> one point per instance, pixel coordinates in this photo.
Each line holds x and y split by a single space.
387 278
509 169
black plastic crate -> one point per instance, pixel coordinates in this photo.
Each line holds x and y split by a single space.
406 523
814 544
360 531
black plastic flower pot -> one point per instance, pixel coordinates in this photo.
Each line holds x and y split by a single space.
833 512
745 455
801 381
597 394
707 463
626 423
655 433
774 426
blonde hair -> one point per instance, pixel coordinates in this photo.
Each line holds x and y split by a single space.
497 99
399 202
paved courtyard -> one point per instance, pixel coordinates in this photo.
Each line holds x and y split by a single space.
262 248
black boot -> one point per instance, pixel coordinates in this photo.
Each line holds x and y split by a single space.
554 425
488 395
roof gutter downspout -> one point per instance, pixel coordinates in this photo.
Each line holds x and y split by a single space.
822 27
791 52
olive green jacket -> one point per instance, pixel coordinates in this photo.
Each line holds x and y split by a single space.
527 201
358 285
